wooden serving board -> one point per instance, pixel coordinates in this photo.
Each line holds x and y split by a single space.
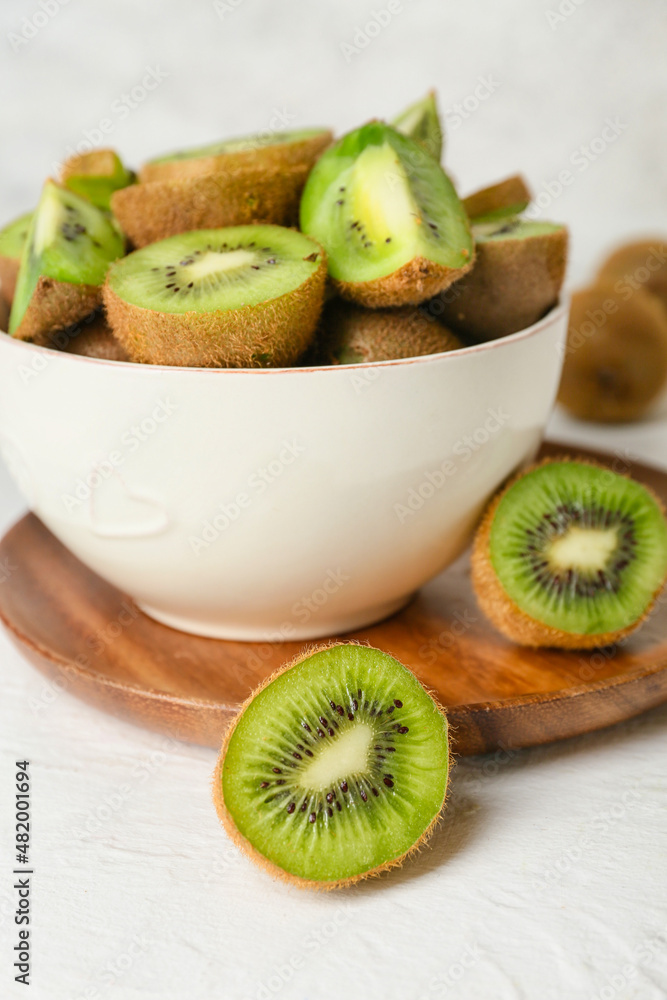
96 644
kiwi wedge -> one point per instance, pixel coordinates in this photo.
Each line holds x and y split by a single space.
500 201
615 363
570 554
335 769
96 175
517 277
642 264
243 297
91 338
421 122
389 218
271 151
350 335
12 242
69 247
158 209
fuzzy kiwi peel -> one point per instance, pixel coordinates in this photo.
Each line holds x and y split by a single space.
68 250
91 338
615 364
389 218
350 334
271 152
421 122
639 264
96 175
570 555
241 297
155 210
503 200
12 243
335 769
518 273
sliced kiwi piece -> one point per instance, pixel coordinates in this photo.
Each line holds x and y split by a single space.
350 335
389 218
243 297
570 554
335 769
96 175
517 277
158 209
271 151
12 242
641 264
616 358
92 337
498 202
69 247
421 122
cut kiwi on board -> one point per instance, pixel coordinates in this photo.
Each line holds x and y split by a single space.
641 264
242 297
500 201
421 122
335 769
389 218
270 151
517 277
615 364
12 242
571 555
69 247
96 175
350 335
155 210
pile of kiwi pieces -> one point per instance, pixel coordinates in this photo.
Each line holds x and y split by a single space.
278 250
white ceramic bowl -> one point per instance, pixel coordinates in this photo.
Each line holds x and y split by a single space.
267 504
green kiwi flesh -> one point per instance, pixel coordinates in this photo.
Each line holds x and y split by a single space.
96 175
421 122
389 218
69 247
579 550
12 242
246 296
335 769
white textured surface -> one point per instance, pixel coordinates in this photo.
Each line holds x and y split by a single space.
548 876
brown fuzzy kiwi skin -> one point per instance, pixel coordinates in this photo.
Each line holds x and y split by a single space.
153 211
615 372
351 334
413 283
96 163
268 158
93 338
55 305
513 284
629 264
274 870
9 270
504 194
505 614
4 315
273 334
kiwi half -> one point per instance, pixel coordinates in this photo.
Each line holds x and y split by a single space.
517 277
158 209
272 151
571 555
243 297
335 769
389 218
503 200
642 264
69 247
615 363
12 242
96 175
91 338
350 335
421 122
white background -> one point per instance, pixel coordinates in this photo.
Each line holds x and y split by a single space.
547 878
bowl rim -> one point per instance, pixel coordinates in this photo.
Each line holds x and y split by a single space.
556 313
